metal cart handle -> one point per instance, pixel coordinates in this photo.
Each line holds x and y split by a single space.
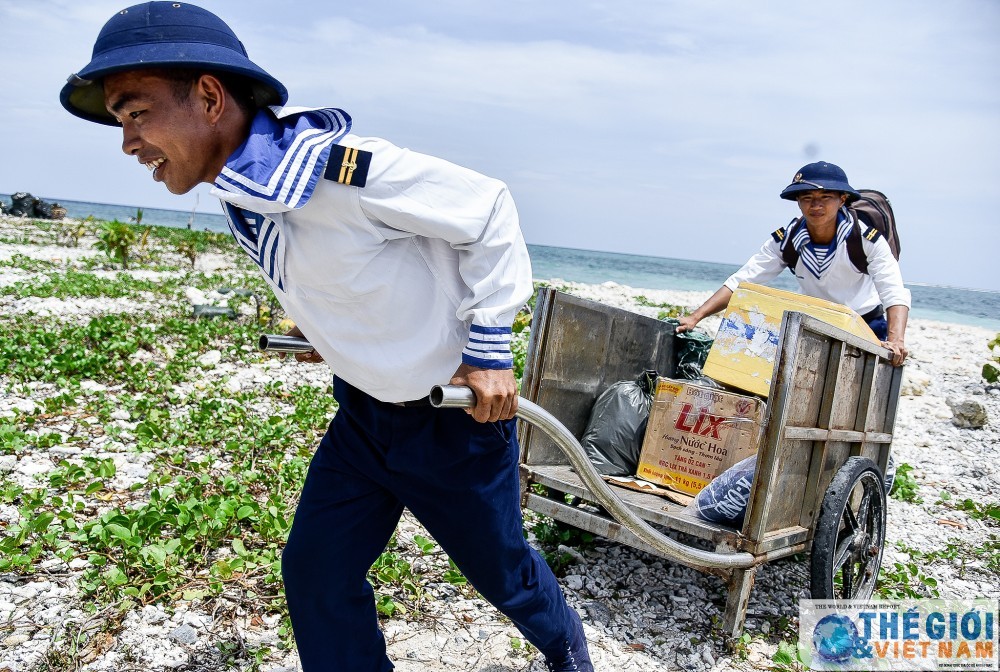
459 396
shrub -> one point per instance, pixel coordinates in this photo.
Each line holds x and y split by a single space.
991 369
115 240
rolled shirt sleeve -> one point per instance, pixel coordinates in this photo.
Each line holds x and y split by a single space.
885 274
476 216
841 282
765 265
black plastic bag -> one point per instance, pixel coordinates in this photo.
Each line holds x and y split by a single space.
43 210
22 204
690 350
613 438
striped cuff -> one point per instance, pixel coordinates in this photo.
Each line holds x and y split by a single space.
488 348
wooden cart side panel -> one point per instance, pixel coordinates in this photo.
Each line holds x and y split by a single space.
536 342
824 378
805 371
846 375
532 363
882 411
768 458
577 351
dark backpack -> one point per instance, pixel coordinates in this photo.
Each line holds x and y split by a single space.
872 208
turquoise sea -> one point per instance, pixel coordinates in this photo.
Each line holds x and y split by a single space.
947 304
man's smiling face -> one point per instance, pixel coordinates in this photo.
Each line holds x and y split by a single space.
168 126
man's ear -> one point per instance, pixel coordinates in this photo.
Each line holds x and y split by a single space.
212 97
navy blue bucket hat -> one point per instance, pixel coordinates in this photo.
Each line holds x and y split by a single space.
819 175
163 35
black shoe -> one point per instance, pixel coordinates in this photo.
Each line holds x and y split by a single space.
576 657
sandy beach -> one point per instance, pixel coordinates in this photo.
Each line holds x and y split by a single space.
640 613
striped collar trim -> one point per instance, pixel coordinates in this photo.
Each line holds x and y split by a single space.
278 166
817 262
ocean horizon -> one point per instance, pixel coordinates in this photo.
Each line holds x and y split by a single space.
961 305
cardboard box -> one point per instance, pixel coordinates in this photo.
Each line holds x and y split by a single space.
694 433
746 345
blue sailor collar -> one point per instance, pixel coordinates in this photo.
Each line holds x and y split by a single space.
817 262
276 169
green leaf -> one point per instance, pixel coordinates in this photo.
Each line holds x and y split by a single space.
157 554
119 532
195 594
42 522
991 372
149 430
786 653
115 576
107 468
223 569
423 543
386 606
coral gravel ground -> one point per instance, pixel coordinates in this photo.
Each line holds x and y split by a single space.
151 462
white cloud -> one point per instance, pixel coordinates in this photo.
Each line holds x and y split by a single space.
674 123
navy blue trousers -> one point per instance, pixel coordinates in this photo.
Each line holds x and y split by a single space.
881 327
458 477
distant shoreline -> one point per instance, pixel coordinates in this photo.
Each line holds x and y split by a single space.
221 218
944 303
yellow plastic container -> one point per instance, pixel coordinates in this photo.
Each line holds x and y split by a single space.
743 353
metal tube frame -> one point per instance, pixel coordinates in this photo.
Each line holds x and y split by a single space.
457 396
281 343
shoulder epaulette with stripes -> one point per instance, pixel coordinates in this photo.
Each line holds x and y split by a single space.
872 234
779 235
348 165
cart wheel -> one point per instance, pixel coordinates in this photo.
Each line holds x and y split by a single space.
850 533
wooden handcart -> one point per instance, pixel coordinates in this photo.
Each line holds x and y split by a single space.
818 484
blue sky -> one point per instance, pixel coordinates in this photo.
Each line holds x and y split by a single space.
656 127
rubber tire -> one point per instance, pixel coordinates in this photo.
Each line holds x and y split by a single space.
856 470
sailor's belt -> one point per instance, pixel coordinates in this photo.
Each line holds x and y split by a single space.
423 401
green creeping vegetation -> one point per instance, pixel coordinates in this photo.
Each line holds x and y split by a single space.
552 534
115 239
786 658
911 579
71 283
221 470
668 309
988 513
905 580
991 369
27 264
35 232
13 438
104 349
905 486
